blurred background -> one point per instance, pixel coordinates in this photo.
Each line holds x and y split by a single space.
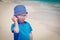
44 17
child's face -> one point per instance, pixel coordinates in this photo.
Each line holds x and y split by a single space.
21 17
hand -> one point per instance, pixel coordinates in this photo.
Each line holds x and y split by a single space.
14 19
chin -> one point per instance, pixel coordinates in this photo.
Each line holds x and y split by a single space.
21 21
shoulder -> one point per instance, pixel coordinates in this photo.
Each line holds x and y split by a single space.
27 22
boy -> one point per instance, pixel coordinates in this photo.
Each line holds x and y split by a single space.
21 29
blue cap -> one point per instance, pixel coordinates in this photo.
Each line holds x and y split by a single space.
19 9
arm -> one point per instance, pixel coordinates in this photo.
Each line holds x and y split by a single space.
31 36
16 29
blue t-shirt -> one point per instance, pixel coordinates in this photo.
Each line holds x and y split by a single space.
24 31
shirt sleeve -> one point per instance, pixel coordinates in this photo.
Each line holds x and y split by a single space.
12 28
30 28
